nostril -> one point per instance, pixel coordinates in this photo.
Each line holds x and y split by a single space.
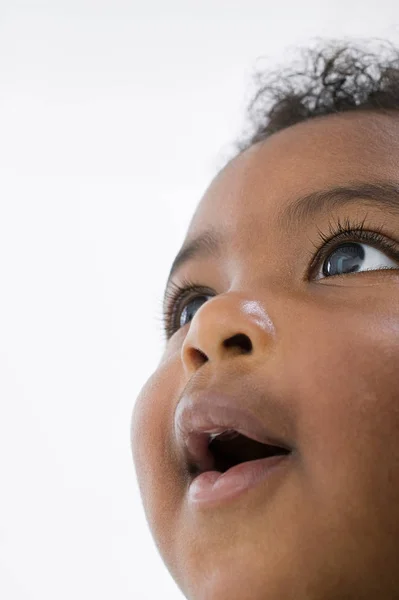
241 340
197 357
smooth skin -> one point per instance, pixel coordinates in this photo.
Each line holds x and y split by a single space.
325 354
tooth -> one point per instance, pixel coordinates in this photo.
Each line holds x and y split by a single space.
228 434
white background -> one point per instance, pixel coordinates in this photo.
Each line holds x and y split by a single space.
114 117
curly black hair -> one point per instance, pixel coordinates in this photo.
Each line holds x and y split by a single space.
331 78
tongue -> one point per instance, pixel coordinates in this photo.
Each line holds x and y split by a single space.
213 485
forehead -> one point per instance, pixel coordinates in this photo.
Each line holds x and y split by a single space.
317 154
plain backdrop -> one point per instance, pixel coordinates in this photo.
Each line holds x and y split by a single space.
114 118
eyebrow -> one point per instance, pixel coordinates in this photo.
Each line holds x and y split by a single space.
208 243
378 194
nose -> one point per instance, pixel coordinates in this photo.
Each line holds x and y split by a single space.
225 326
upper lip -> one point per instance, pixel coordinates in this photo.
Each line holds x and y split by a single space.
197 416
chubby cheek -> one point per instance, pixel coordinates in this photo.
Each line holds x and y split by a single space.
347 376
157 466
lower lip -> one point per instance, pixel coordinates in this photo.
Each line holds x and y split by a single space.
213 487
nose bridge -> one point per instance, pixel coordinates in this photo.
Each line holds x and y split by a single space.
227 325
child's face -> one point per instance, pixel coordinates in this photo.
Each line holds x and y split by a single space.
322 374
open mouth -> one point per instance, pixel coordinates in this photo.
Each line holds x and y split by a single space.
226 447
231 448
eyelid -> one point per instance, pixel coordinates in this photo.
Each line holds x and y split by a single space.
174 296
349 230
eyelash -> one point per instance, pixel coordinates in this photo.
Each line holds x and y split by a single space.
338 233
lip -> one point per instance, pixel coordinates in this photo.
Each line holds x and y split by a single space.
199 415
213 488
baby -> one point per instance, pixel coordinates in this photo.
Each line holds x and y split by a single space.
266 443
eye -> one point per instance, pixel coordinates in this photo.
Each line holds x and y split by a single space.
349 248
190 308
181 304
360 250
353 257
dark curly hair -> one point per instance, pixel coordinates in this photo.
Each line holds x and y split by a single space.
331 78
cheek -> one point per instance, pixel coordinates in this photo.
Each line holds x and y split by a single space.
155 461
347 379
